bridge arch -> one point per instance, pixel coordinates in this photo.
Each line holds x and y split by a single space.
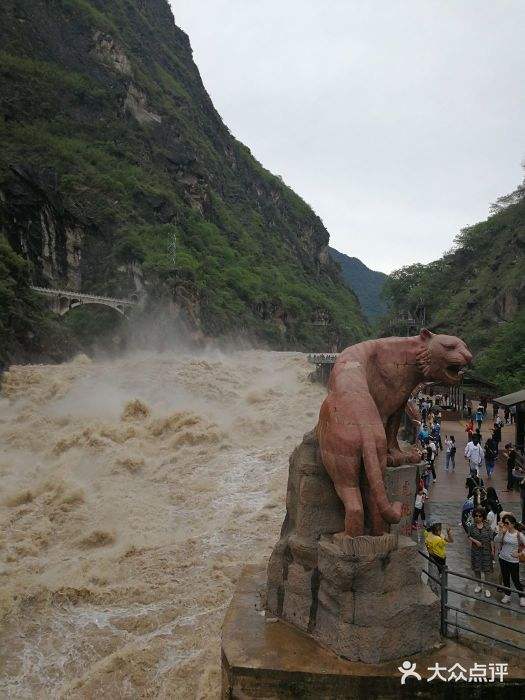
77 303
63 301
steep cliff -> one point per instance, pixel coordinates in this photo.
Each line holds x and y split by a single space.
476 291
366 283
117 176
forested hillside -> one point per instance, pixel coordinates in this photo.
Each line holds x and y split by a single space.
366 283
117 176
476 291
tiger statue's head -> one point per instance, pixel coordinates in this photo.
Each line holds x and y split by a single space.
442 358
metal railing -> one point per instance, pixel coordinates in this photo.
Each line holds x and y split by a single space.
442 580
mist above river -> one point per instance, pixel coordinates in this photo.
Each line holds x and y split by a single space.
132 493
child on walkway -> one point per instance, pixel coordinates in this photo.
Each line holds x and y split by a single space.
419 506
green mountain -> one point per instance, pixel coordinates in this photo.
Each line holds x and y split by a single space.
366 283
476 291
118 177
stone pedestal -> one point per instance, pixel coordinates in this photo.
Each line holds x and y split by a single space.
266 658
360 597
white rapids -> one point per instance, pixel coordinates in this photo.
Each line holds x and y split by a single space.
132 491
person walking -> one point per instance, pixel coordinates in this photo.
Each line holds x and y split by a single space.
450 452
496 436
474 455
492 517
426 477
431 456
473 482
511 542
469 429
492 500
491 452
479 416
482 550
512 458
423 435
522 497
436 433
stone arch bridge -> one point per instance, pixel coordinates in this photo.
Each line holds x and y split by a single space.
62 301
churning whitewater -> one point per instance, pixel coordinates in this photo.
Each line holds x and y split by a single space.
132 493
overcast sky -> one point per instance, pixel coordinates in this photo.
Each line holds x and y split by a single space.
399 122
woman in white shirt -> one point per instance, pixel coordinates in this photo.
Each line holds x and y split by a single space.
419 506
510 541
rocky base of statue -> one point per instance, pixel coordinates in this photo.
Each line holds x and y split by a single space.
360 597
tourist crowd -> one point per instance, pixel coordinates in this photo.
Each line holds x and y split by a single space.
494 535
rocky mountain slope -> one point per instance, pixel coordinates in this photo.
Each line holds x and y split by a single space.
366 283
117 176
477 291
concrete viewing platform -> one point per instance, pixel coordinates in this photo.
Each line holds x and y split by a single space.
266 658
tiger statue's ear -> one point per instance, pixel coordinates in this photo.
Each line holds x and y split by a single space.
425 334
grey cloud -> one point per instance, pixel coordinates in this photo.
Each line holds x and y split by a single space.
399 122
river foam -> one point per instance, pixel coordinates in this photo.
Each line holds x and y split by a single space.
132 493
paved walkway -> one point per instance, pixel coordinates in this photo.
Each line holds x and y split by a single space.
446 498
450 486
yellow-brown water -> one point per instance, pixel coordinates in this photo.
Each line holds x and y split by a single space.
132 492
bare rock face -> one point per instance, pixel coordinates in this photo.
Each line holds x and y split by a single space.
136 102
111 54
40 228
362 597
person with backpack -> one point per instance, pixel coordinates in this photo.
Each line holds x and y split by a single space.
491 452
423 435
450 452
478 417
